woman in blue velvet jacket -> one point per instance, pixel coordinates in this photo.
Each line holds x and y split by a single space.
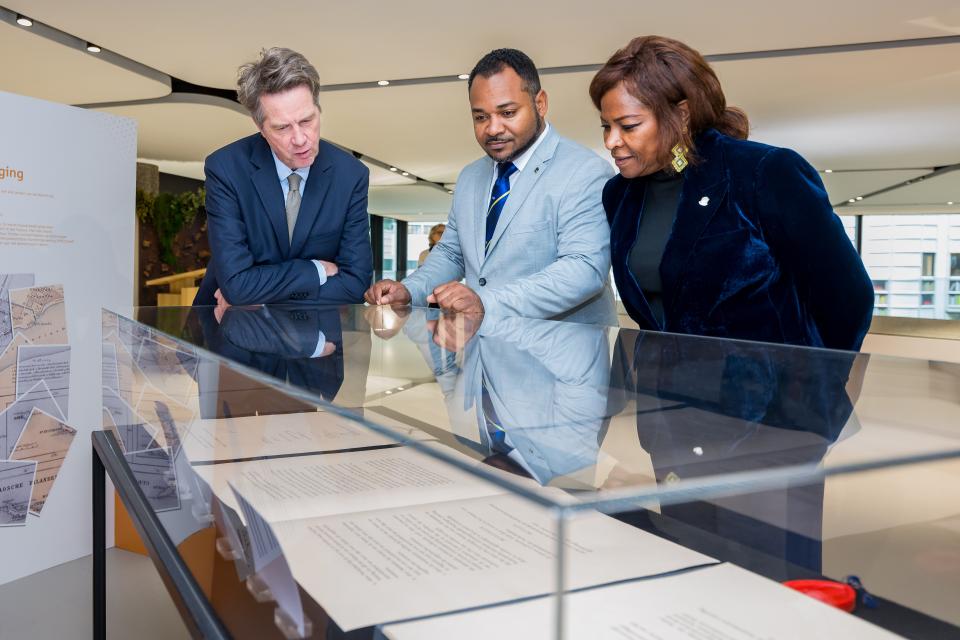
711 234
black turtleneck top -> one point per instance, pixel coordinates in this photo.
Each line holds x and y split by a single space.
660 200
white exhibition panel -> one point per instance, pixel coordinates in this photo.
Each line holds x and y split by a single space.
67 189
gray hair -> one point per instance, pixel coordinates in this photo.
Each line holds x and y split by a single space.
277 70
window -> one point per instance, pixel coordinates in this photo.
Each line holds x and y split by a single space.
880 293
953 295
953 288
389 248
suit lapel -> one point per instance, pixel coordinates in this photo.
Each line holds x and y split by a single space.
625 238
318 183
523 186
267 184
704 189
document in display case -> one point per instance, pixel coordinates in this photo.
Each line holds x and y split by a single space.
430 475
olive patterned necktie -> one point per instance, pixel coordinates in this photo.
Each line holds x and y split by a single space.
293 202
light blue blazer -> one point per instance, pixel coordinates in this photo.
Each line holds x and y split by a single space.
556 431
550 254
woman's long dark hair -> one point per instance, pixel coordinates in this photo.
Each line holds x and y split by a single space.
661 73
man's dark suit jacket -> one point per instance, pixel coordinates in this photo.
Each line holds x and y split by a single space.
756 251
253 260
278 341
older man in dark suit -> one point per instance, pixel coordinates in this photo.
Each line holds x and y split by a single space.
286 211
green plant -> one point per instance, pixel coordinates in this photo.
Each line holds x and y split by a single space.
168 214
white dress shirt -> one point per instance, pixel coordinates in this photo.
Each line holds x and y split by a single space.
520 161
283 172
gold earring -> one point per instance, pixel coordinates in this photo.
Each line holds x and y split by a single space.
679 161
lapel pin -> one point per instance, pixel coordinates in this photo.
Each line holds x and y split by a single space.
704 201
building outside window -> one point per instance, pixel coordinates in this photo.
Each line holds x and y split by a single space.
880 297
927 282
911 256
953 290
389 248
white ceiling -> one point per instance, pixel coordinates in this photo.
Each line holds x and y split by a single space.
185 131
876 117
41 68
845 185
936 191
204 42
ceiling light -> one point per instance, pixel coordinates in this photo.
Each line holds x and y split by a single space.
24 21
383 83
405 173
828 170
851 200
463 76
951 202
450 191
393 169
859 197
92 48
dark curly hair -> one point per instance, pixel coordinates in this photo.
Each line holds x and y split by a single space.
661 73
494 62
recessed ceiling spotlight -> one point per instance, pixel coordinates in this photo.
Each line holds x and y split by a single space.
859 197
851 200
24 21
450 191
405 173
383 83
828 170
951 202
463 76
393 169
92 48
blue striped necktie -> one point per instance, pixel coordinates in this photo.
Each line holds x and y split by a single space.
501 189
495 431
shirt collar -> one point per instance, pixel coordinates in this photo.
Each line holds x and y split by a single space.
521 161
283 171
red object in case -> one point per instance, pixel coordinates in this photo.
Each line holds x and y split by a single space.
836 594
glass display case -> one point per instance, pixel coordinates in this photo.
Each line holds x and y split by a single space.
402 473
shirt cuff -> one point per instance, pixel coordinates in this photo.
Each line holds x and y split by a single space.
321 343
321 272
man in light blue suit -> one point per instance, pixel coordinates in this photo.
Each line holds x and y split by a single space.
527 229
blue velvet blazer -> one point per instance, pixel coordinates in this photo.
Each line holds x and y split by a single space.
756 251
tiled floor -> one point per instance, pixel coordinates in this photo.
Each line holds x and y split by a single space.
56 604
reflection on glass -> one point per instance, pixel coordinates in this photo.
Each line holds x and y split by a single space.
382 443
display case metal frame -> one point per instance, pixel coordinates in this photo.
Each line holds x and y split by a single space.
194 607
